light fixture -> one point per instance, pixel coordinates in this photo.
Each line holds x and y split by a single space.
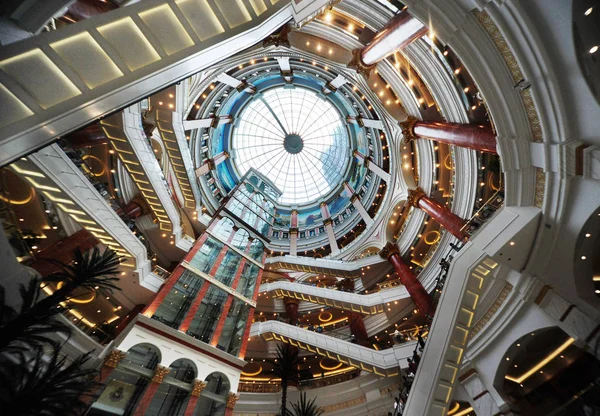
588 11
583 257
594 49
588 235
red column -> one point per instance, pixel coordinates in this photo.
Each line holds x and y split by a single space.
415 289
400 31
450 221
358 329
231 401
63 251
471 136
170 282
190 409
242 353
189 317
146 399
221 323
219 328
291 309
163 292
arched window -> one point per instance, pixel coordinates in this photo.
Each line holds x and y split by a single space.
257 250
127 382
174 392
240 240
223 228
214 397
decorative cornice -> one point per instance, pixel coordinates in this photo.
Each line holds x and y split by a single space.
232 400
492 310
414 196
114 357
515 70
389 250
279 38
358 65
540 187
197 388
160 373
408 128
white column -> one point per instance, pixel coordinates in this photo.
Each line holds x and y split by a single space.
293 242
372 166
334 84
357 204
211 164
331 236
479 397
207 122
286 69
229 80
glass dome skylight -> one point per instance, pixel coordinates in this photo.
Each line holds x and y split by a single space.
296 139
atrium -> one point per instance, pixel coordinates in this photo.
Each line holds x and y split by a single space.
404 194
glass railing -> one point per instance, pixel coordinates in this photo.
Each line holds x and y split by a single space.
76 156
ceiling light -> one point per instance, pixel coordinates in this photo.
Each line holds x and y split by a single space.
457 71
589 11
583 257
588 235
594 49
597 291
512 243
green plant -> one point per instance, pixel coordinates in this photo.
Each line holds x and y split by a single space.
285 367
88 271
35 378
305 407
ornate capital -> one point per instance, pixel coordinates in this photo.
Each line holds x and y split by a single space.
197 388
294 230
389 250
408 128
232 400
114 357
414 196
358 65
353 198
160 373
327 221
215 122
279 38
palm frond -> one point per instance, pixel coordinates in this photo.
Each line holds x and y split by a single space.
45 385
89 270
305 407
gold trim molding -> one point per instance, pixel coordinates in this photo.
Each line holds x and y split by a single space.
492 310
515 70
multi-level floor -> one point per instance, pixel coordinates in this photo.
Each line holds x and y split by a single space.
319 173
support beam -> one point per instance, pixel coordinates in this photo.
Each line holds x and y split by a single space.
211 164
205 123
450 221
372 166
399 32
285 68
236 83
334 84
358 204
365 122
415 289
471 136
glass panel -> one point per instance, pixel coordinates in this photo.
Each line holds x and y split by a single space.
248 280
240 240
207 316
257 250
295 138
228 267
205 258
223 228
233 330
168 401
172 310
120 395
